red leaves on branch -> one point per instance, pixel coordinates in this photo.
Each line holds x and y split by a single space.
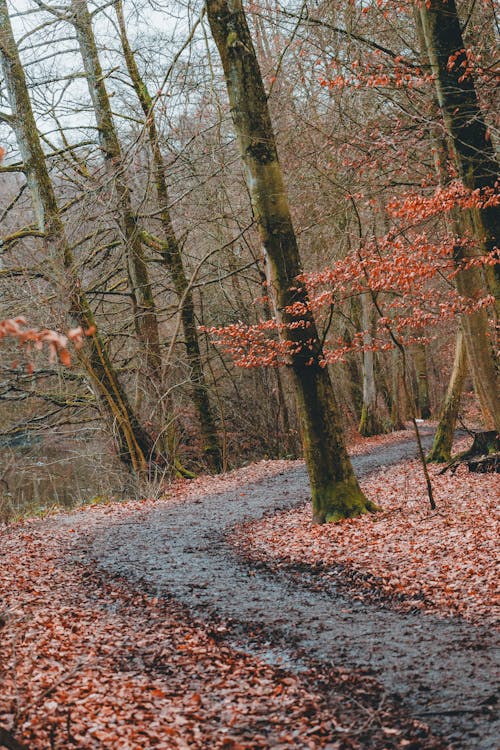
411 276
32 338
418 207
375 74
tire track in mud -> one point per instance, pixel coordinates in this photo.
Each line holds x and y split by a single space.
442 669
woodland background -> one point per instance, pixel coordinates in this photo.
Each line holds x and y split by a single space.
151 233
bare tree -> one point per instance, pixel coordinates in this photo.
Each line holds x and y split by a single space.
170 250
135 446
335 491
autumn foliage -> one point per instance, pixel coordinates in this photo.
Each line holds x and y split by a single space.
93 662
33 338
409 273
437 562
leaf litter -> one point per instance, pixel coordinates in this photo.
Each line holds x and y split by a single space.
89 661
442 561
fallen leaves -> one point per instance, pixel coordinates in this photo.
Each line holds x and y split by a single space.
91 662
442 561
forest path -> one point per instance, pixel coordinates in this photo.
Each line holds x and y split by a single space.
442 668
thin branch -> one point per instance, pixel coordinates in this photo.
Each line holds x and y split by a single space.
343 32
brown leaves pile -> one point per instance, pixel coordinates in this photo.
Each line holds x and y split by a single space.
89 662
442 561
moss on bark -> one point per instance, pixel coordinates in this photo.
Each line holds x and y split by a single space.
332 503
370 423
335 491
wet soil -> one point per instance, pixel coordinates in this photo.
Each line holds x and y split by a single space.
442 670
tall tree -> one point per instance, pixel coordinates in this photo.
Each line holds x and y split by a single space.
422 396
335 490
370 422
171 254
478 169
145 318
135 445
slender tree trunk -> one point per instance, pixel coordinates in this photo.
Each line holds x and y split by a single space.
478 169
135 446
443 440
423 401
335 490
399 408
370 422
290 444
172 256
145 319
353 363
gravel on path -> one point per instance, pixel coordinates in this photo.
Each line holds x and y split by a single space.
442 669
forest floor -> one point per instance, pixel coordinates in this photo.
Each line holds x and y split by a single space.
219 617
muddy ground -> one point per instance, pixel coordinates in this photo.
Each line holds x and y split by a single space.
441 669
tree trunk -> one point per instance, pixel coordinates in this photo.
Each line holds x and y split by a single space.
399 408
443 440
135 446
472 148
145 320
290 443
478 169
370 422
335 490
423 401
172 257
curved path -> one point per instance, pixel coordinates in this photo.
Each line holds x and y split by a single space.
441 668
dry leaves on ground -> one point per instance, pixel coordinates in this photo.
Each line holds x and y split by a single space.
443 560
89 662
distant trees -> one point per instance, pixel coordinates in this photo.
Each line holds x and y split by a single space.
387 181
170 252
135 446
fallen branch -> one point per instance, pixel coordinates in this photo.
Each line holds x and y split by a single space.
483 455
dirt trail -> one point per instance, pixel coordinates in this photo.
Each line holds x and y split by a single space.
443 669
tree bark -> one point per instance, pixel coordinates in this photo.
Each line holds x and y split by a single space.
478 169
472 147
172 257
443 439
423 401
399 407
135 445
335 490
370 422
145 319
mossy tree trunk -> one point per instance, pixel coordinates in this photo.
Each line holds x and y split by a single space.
171 254
443 439
135 445
399 405
335 490
478 169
